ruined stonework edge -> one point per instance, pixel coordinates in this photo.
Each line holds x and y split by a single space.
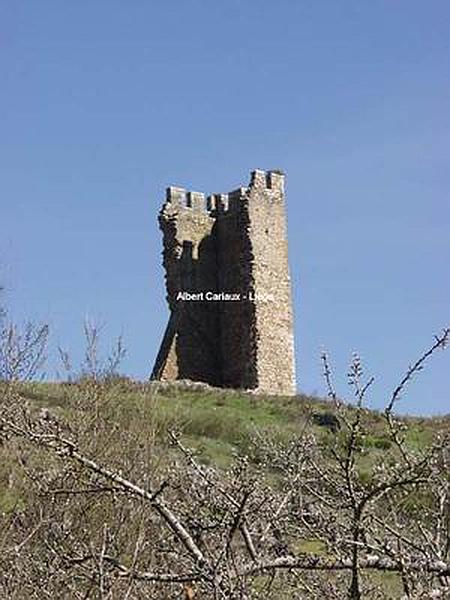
229 241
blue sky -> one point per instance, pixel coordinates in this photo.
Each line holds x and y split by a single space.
105 103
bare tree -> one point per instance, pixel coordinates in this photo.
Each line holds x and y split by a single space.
22 349
94 366
309 517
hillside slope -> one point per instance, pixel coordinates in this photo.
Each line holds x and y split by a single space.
295 470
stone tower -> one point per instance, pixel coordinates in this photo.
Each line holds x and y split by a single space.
228 288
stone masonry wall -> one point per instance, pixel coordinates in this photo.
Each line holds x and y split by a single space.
275 360
190 345
232 244
237 330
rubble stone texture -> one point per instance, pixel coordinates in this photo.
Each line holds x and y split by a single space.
233 244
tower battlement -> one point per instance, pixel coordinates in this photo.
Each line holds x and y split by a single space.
228 245
179 198
270 180
182 198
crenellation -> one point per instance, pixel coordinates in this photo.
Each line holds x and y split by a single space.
258 178
196 201
222 201
176 195
235 199
211 203
275 181
269 180
231 245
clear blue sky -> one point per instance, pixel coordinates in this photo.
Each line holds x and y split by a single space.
105 103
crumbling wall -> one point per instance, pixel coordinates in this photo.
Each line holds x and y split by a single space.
237 318
235 244
190 345
275 360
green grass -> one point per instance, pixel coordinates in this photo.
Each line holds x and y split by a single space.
217 424
10 501
390 583
313 546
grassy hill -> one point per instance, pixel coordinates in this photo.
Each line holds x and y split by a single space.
126 426
220 423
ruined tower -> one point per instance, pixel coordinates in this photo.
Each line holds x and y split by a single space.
228 288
